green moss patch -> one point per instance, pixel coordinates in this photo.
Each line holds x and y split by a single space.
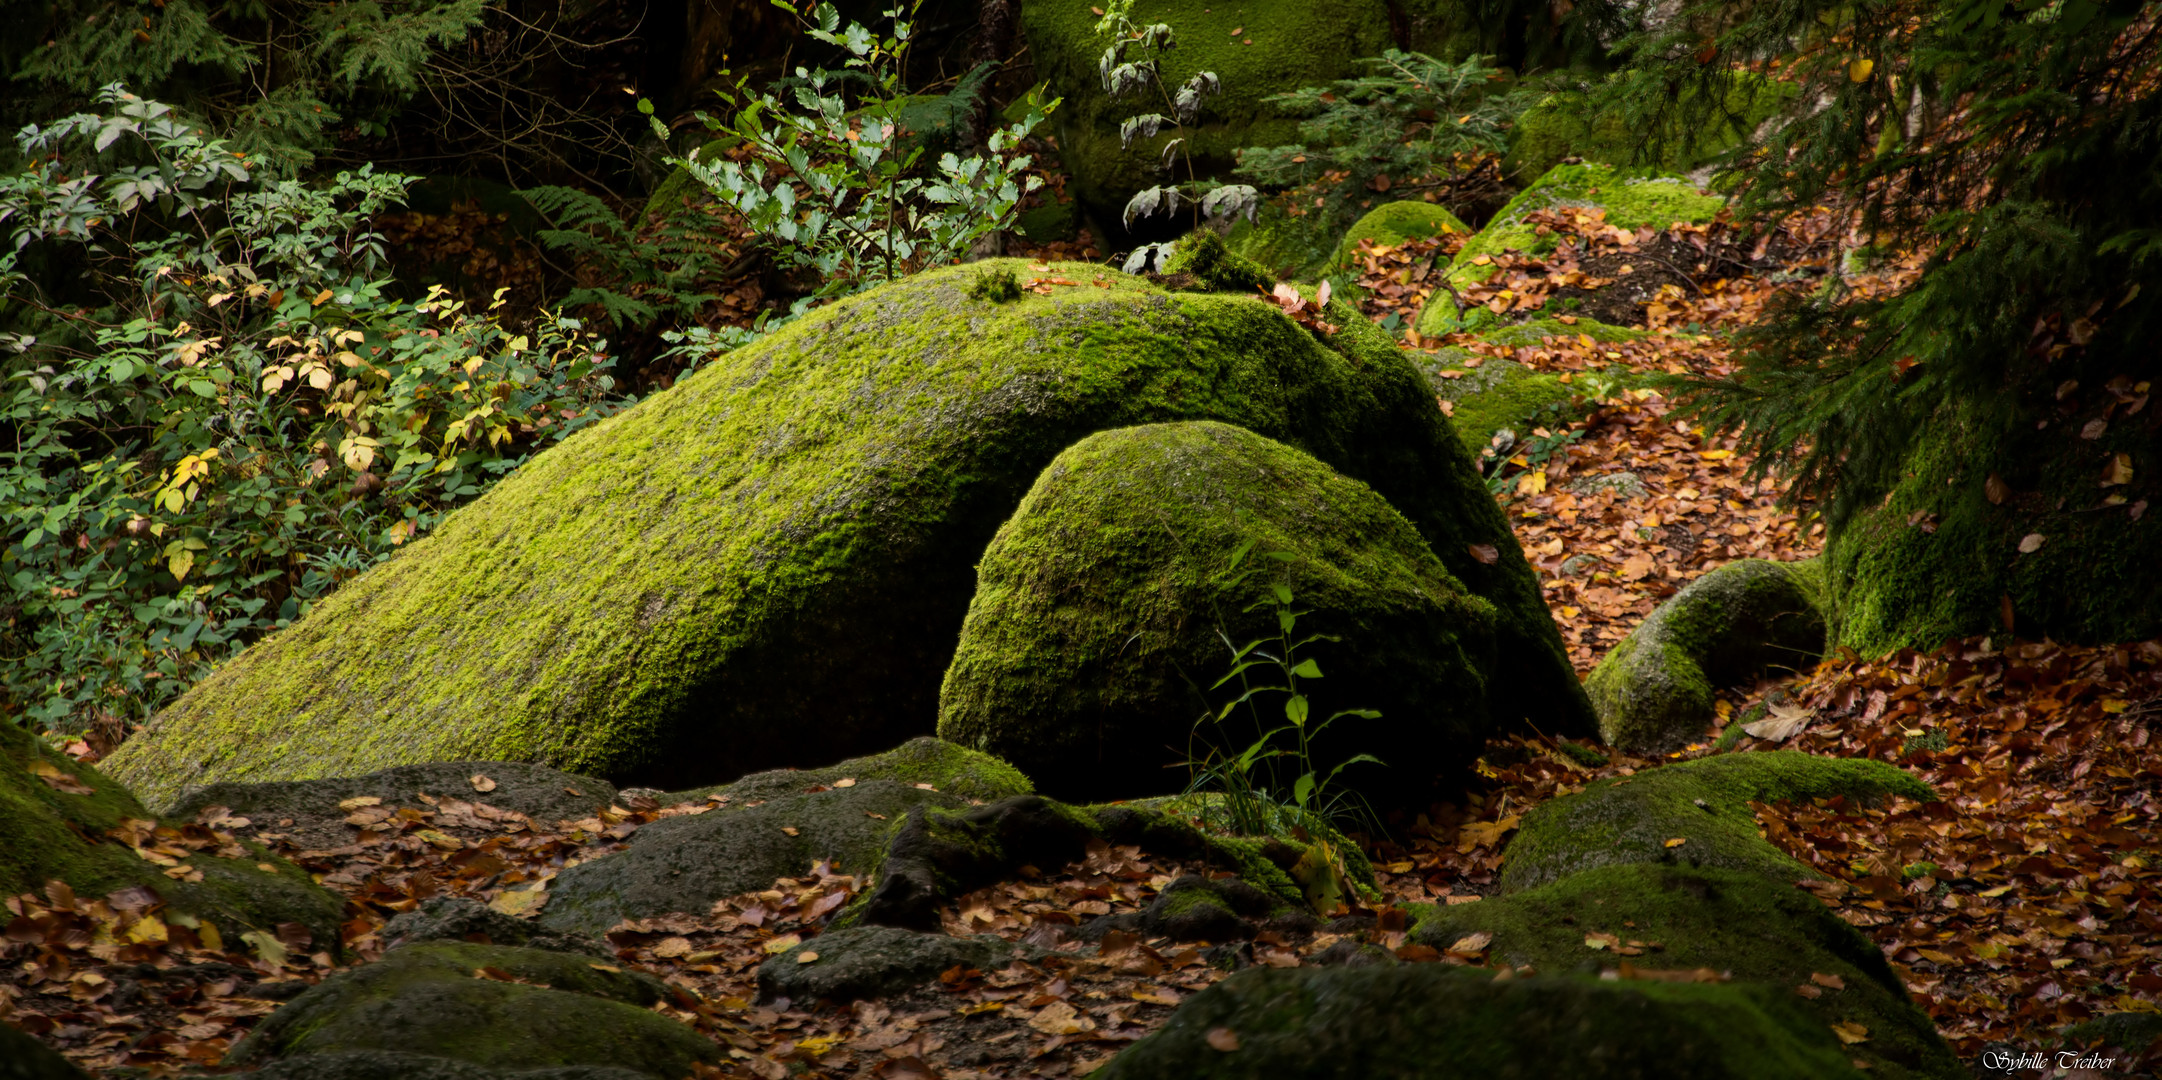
1654 689
440 1000
1702 803
1102 607
1763 934
1408 1020
58 816
1565 125
769 563
1392 225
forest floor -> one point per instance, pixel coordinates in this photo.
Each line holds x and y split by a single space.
2023 900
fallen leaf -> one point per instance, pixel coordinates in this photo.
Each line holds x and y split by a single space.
782 944
59 779
481 783
2031 543
358 801
1156 995
1785 722
790 830
1829 982
1850 1032
806 957
1677 841
1472 944
1485 553
1222 1038
1059 1018
846 781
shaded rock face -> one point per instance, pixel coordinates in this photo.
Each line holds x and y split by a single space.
1393 1021
873 961
446 918
426 1000
394 1065
541 793
60 817
1103 607
769 563
772 825
25 1058
1654 690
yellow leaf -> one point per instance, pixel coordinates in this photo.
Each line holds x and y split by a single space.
783 943
819 1044
265 946
515 902
806 957
1677 841
985 1007
1531 483
322 296
358 801
148 930
1860 69
180 562
1716 455
1851 1033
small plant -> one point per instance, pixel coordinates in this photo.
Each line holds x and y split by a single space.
1255 798
1530 458
997 286
1182 108
839 193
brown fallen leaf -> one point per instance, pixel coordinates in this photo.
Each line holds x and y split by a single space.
1850 1032
1222 1038
1829 982
1059 1018
806 957
1485 553
358 801
481 783
1472 944
60 780
1785 722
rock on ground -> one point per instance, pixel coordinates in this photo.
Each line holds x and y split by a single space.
1103 607
875 961
393 1065
768 564
1654 689
564 1010
64 820
541 793
1406 1021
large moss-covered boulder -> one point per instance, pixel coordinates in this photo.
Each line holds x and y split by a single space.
1630 202
66 821
768 564
1393 225
1735 924
1281 46
1103 606
1654 689
1408 1021
2007 508
1690 132
1702 803
486 1005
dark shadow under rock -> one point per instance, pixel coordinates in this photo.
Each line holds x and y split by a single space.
541 793
875 961
448 918
25 1058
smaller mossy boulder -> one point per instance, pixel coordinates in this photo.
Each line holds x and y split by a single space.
1703 803
25 1058
1103 606
486 1005
1733 924
459 918
1293 248
874 961
1208 909
772 825
1654 690
1406 1021
1487 394
1630 202
1393 225
397 1065
68 821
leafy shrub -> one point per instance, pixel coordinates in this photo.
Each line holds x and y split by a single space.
840 193
240 418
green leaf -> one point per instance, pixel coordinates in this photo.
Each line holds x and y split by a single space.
1307 669
1303 790
1295 708
203 388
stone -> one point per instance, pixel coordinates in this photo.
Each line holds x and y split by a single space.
1704 803
394 1065
768 563
1198 908
1624 485
450 1000
1103 608
540 793
64 821
25 1058
1655 689
1393 224
458 918
876 961
1400 1021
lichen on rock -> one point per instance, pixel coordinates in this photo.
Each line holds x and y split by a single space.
1654 689
1103 606
768 563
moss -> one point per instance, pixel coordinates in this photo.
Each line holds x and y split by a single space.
1704 803
953 769
1102 606
769 563
1393 225
1280 849
433 999
1936 559
997 286
1563 125
2134 1031
1051 222
1406 1020
1293 248
1654 690
1630 203
1203 255
58 835
1758 931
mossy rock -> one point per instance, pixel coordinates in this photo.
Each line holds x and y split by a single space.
768 564
2135 1032
1938 558
1102 607
543 794
1503 394
875 961
1654 689
1405 1021
25 1058
1565 125
1766 935
1050 222
57 833
396 1065
1630 201
1394 225
772 825
1703 803
1293 248
433 1000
